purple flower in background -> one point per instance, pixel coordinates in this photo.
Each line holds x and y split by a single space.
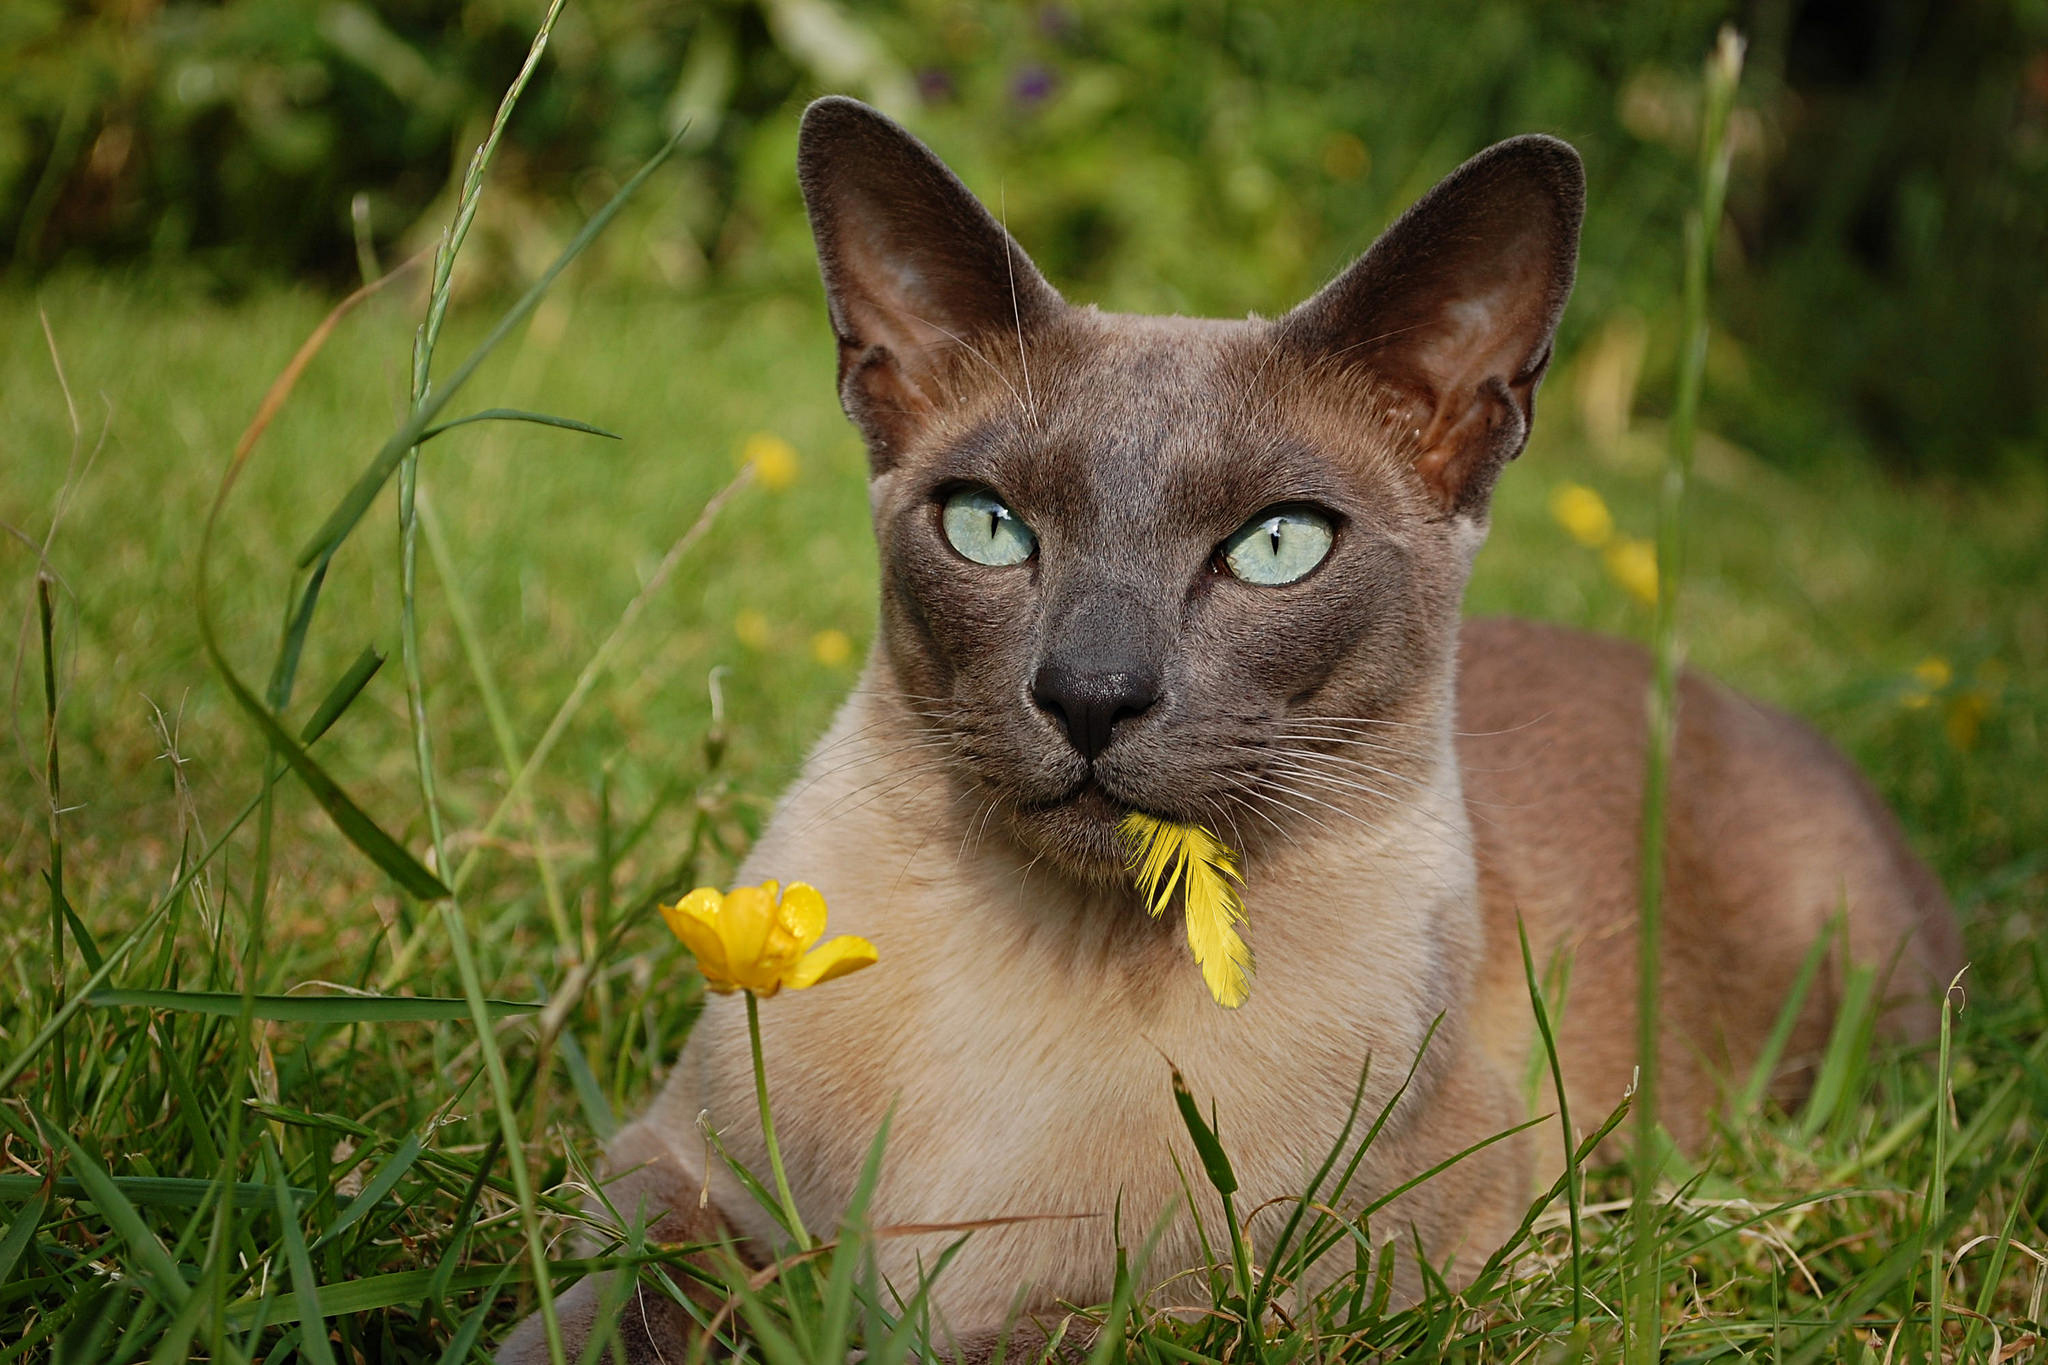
1032 85
935 85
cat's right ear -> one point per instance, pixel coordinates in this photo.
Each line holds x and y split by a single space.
915 268
1454 310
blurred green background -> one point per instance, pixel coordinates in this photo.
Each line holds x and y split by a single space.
1884 287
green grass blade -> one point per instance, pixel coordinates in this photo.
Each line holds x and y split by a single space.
375 1293
348 817
88 948
305 1286
84 1342
1564 1121
148 1191
519 415
1751 1097
285 672
597 1110
384 464
1848 1051
313 1009
389 1173
1846 1310
22 1228
1215 1161
1440 1167
464 1340
1642 1294
342 695
161 1278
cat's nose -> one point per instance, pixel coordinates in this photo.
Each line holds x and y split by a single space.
1090 703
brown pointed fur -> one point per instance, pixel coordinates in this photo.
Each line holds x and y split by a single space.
1016 1028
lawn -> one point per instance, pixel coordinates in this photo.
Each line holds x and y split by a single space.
1909 620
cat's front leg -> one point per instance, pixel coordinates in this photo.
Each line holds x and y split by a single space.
657 1187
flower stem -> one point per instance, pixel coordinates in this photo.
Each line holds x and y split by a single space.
789 1213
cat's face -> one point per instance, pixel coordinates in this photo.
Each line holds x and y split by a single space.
1205 570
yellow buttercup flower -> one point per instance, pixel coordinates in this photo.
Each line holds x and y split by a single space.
831 647
751 628
1583 514
1633 564
1934 673
774 460
1164 855
752 938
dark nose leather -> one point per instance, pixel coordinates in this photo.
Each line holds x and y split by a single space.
1090 702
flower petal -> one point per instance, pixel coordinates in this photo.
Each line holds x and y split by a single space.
696 921
743 925
836 957
802 912
779 952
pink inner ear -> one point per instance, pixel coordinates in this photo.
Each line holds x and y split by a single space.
881 300
1471 357
884 308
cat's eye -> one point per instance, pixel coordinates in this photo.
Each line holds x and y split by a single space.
1279 545
980 526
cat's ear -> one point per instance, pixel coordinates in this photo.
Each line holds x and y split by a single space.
1456 306
915 269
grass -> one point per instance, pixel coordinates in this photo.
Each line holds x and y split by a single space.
187 1174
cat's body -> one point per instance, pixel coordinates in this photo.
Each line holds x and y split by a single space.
1400 788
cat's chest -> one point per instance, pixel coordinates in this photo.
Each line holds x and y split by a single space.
1020 1052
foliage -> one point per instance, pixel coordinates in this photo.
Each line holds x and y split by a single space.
1134 146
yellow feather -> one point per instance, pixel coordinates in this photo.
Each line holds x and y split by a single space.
1164 855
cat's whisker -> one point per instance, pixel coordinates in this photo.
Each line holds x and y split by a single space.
967 831
880 756
838 809
931 831
1253 792
1016 311
1346 761
1446 832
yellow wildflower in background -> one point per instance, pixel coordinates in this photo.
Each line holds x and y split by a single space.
1965 705
1163 855
1633 564
753 939
1345 156
751 628
1583 513
1965 719
775 461
831 647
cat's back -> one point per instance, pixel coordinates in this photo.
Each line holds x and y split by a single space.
1771 834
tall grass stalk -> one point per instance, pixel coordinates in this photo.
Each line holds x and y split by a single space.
415 683
1645 1296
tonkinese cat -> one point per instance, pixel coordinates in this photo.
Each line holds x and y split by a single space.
1211 571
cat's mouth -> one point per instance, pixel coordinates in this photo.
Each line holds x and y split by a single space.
1087 797
1080 827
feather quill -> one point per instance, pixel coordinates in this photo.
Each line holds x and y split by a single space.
1164 856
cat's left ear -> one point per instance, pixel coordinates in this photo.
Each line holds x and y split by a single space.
916 271
1456 307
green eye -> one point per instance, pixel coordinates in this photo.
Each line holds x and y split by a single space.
979 526
1277 547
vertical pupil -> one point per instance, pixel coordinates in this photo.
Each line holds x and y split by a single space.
1273 529
995 517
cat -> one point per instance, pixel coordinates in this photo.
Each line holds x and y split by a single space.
1212 571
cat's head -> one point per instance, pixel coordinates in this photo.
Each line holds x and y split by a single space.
1209 570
